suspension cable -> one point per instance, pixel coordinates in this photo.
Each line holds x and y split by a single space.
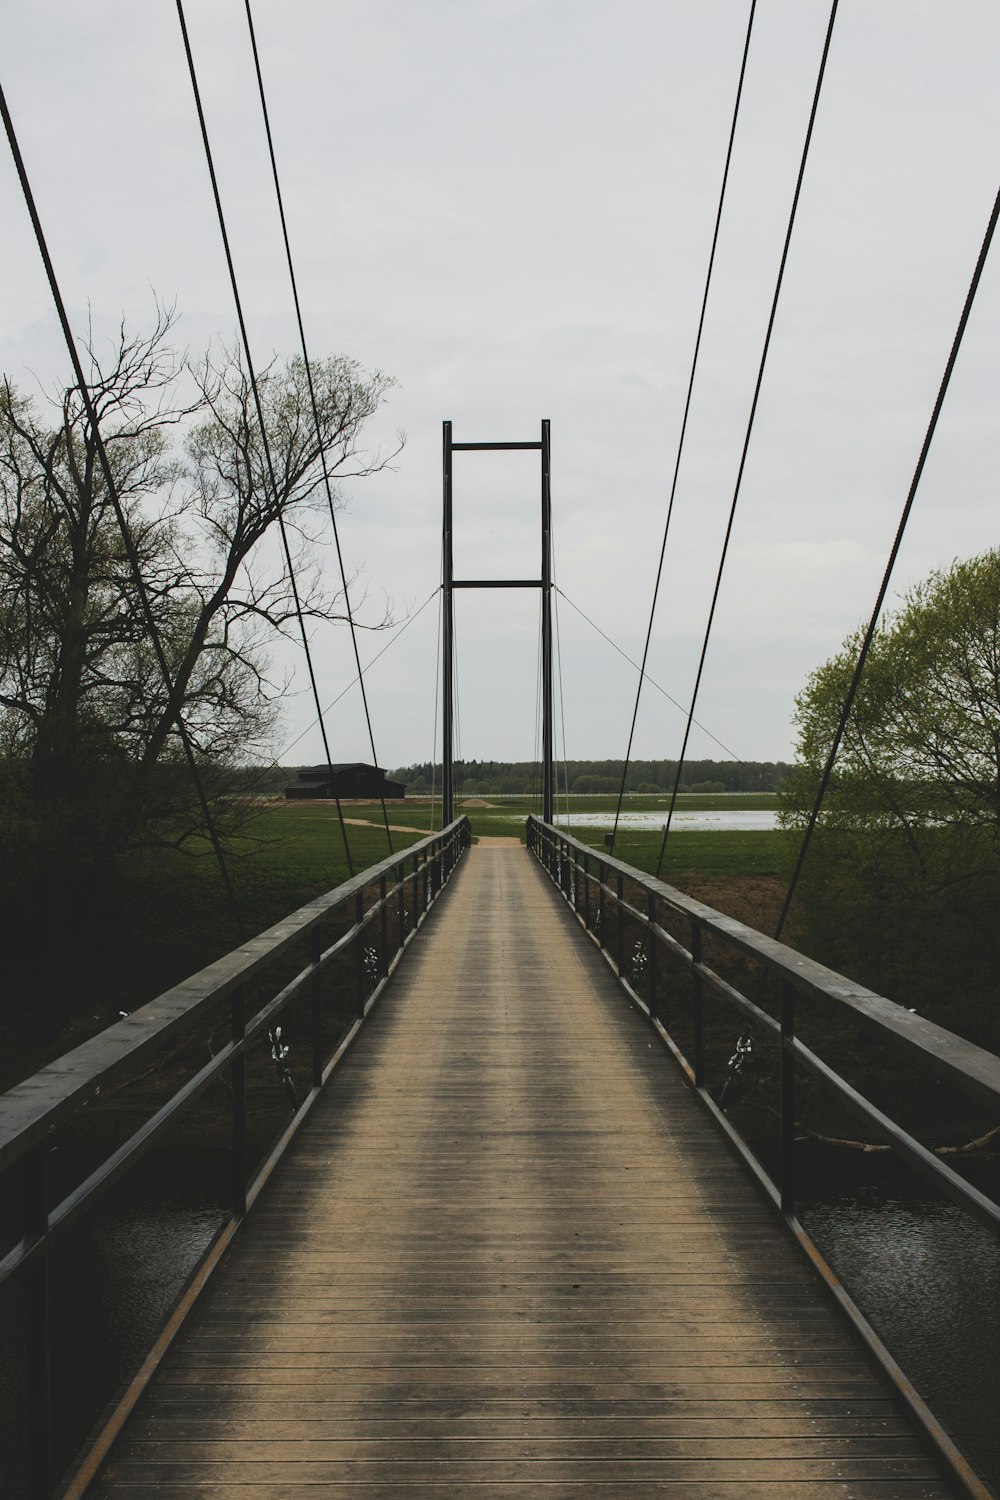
132 555
536 734
314 404
687 409
869 636
458 797
750 425
653 683
251 375
276 762
437 692
562 701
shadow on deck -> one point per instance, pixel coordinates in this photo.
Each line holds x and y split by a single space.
508 1255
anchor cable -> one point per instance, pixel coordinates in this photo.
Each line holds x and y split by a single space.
562 701
750 425
654 684
345 690
314 404
252 378
684 420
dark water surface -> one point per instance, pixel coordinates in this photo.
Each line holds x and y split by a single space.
924 1274
927 1278
113 1282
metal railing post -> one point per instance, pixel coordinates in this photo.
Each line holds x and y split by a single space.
601 875
401 906
787 1157
384 923
316 1007
697 1007
653 964
359 961
38 1371
238 1079
586 891
619 888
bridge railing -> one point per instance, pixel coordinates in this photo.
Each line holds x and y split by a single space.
324 966
604 893
667 950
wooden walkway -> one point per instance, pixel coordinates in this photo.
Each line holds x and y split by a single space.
508 1256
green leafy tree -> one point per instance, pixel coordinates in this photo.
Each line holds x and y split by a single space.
902 882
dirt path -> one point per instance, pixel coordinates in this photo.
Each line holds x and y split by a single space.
393 827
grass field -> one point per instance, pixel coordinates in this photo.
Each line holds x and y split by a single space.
179 919
740 853
167 914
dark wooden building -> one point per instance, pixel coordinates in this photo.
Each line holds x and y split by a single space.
348 781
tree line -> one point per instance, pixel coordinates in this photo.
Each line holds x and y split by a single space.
523 778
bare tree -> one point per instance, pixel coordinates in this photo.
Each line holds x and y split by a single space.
91 763
80 687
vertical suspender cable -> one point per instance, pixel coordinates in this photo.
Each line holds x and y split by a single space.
437 690
869 636
244 338
750 423
130 550
687 409
313 402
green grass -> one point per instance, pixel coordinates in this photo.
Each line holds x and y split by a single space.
166 914
177 917
735 854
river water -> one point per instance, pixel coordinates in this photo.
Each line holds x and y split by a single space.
926 1277
721 821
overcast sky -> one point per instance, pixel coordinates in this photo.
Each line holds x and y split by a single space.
508 205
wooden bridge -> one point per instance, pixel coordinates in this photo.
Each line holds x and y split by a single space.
507 1252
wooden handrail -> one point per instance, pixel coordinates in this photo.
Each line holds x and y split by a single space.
34 1107
962 1064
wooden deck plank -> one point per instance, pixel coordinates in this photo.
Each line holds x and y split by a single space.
507 1255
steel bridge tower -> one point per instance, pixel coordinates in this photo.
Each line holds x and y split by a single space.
450 583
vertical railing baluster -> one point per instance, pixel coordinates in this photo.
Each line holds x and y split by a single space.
586 891
620 925
38 1371
384 923
401 905
654 1003
316 1005
601 877
238 1107
697 1006
787 1013
359 956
